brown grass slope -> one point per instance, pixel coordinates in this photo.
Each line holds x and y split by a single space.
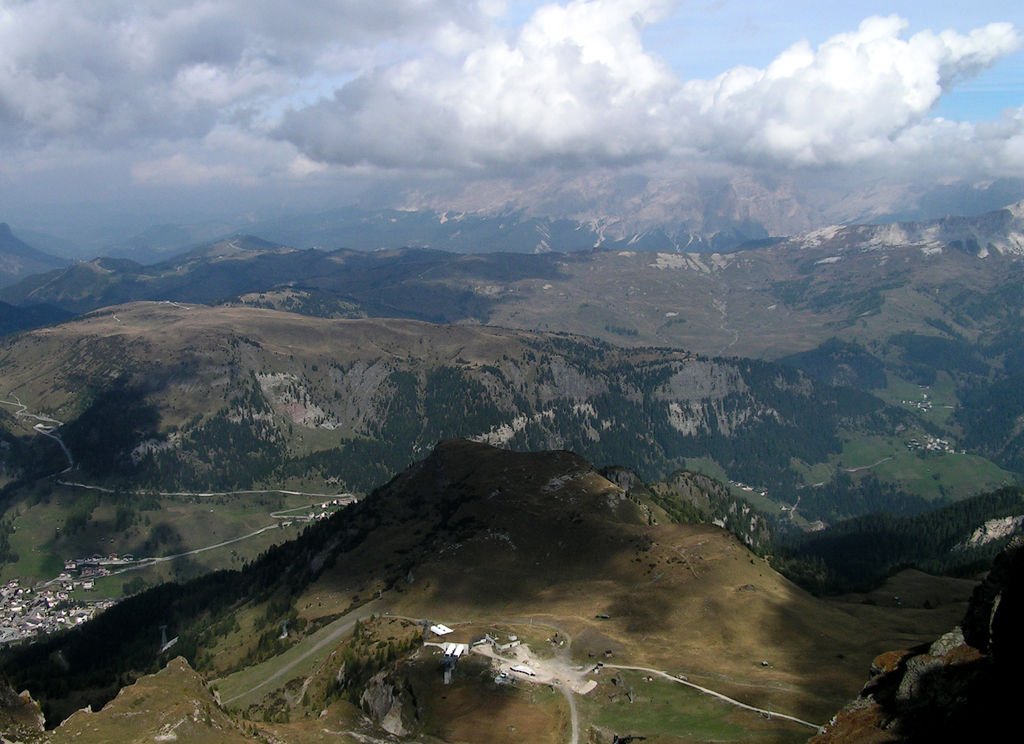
173 705
479 534
196 350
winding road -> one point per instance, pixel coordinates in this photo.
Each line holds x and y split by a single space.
46 425
868 467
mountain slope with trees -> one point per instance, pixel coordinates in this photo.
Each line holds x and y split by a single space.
219 398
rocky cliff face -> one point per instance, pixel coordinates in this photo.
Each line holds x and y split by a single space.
963 686
369 395
1001 231
389 705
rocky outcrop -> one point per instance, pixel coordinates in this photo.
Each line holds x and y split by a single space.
389 705
963 686
21 719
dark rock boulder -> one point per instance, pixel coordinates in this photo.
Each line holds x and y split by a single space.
963 686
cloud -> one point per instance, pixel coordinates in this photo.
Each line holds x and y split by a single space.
575 85
181 170
117 70
226 155
850 100
258 92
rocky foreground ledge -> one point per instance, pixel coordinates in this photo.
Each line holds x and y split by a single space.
963 686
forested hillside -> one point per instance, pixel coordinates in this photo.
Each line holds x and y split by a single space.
857 553
208 398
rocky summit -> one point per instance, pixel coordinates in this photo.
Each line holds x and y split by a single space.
963 686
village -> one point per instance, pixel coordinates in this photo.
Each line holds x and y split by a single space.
931 443
26 612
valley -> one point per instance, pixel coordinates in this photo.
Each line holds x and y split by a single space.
217 429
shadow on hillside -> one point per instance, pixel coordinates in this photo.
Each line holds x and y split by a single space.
104 435
481 527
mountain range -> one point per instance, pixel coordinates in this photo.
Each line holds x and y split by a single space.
775 298
18 259
879 373
917 316
884 308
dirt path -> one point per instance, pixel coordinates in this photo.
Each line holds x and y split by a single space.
574 715
713 693
868 467
556 672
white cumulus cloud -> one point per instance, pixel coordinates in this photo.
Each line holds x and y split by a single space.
259 92
847 101
118 70
575 84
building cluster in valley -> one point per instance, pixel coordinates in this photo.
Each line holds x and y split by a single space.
750 489
924 405
929 443
26 612
84 571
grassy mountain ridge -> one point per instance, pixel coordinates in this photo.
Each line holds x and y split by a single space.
416 283
883 307
859 283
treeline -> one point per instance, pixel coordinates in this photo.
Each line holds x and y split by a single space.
24 459
7 554
837 362
990 417
859 553
695 498
104 435
843 497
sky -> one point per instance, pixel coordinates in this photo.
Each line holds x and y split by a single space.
126 113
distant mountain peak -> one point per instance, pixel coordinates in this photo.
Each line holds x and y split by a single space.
1000 231
18 259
